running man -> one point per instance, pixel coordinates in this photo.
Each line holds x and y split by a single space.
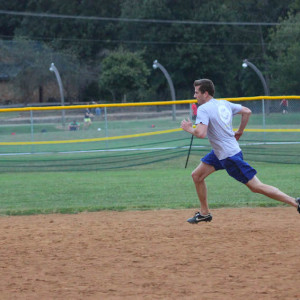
214 120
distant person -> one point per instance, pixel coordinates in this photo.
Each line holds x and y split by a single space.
87 119
74 126
98 112
194 111
214 120
284 106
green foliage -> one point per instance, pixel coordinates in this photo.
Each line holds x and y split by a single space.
91 91
33 60
79 36
122 72
29 57
187 51
193 51
284 64
9 24
295 6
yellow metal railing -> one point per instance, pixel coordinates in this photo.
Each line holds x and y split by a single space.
35 108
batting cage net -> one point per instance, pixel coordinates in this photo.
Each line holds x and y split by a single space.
111 136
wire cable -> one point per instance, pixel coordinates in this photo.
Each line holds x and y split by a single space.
94 18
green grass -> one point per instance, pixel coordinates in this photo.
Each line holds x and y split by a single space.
159 185
155 186
273 120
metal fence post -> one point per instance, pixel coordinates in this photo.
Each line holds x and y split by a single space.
31 129
106 126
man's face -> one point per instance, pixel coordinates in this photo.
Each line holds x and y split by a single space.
199 96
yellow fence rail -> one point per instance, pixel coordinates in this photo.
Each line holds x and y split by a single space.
35 108
38 108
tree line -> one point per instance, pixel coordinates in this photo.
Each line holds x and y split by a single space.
105 49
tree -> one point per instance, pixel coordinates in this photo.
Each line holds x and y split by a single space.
123 72
33 60
187 51
84 38
191 51
284 56
8 23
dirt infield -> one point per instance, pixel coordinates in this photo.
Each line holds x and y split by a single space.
241 254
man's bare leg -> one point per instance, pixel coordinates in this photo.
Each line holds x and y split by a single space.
256 186
198 175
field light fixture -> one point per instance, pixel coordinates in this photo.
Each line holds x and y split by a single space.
61 91
247 63
156 65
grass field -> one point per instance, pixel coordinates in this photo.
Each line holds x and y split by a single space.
154 186
152 179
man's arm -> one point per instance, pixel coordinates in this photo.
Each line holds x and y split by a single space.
200 131
245 112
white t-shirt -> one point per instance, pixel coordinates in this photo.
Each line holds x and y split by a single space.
217 115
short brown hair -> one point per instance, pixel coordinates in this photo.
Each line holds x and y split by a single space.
205 85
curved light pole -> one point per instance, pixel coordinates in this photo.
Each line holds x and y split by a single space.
156 65
247 63
61 91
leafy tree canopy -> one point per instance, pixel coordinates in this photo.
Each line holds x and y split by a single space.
284 57
123 72
187 51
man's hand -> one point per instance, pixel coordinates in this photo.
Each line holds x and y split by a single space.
238 134
187 125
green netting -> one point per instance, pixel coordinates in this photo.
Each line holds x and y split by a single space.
97 159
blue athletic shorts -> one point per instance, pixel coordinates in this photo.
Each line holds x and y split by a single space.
235 166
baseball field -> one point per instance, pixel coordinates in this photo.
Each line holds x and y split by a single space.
123 235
